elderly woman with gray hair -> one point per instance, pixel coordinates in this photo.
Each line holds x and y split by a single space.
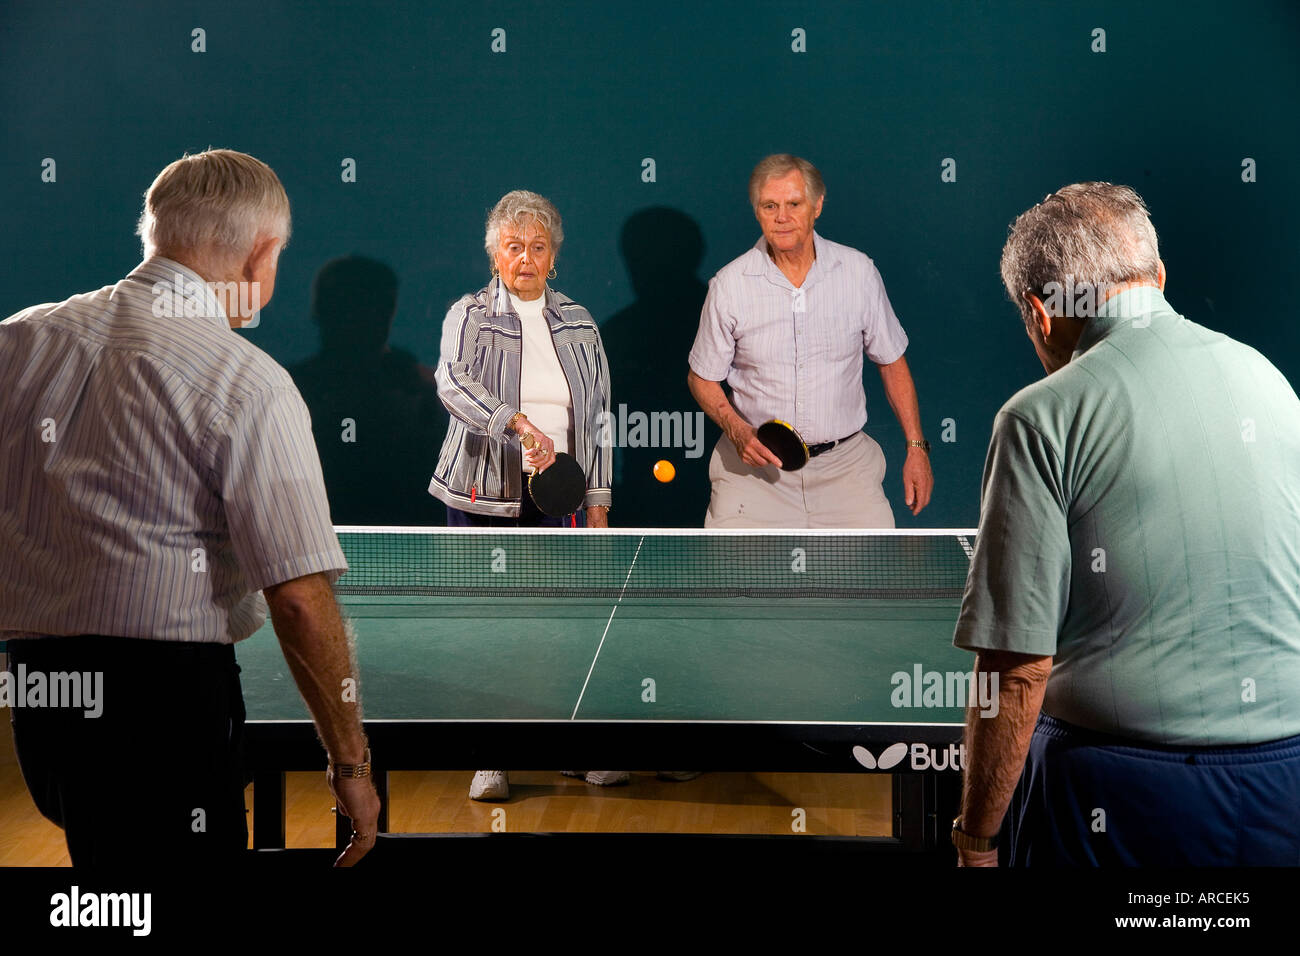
520 359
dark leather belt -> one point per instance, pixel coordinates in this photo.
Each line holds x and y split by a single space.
815 450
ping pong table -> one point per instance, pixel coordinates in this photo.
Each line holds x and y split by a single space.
717 651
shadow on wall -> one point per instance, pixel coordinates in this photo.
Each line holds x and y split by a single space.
375 411
647 343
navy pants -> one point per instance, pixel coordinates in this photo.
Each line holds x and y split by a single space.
529 517
1086 799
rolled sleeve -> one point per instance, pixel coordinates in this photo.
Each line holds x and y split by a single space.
883 337
273 492
1019 581
715 342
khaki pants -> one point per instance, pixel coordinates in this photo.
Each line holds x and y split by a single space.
839 489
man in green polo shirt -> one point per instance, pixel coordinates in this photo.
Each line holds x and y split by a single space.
1137 571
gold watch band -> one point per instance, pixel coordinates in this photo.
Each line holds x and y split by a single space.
964 841
352 770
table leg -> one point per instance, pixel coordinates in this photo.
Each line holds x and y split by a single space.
924 807
268 810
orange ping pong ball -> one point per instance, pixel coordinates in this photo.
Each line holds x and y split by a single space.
665 471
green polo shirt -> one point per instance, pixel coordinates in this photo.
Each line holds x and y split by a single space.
1140 523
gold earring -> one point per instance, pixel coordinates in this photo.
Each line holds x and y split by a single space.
552 274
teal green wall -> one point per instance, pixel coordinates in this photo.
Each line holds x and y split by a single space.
440 127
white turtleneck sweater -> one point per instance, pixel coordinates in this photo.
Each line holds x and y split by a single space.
543 390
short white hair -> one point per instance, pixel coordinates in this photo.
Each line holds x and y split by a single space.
1092 234
782 164
517 208
215 204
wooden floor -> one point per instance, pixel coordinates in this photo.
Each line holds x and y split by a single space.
438 802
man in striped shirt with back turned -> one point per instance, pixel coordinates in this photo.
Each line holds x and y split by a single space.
785 325
156 472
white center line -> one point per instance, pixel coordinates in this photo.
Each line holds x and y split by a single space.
607 624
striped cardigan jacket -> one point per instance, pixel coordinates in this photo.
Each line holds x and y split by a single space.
481 466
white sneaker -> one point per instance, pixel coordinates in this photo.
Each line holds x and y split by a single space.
490 785
600 778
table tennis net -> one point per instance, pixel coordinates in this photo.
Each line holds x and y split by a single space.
655 565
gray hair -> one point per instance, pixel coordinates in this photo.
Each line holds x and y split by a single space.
516 208
1087 235
779 164
214 203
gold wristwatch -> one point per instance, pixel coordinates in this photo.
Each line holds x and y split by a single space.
919 443
352 770
964 841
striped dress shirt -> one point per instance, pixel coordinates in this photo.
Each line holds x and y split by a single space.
156 469
796 354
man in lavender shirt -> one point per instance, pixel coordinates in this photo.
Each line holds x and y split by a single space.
786 325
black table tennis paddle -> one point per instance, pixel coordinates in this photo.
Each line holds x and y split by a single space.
561 488
782 440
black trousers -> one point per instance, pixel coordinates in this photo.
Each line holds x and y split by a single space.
158 776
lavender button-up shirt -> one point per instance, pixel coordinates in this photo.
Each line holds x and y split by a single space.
796 354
